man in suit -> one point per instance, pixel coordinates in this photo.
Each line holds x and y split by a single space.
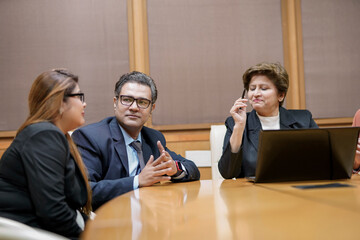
120 153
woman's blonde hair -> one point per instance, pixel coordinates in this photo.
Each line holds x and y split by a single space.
46 95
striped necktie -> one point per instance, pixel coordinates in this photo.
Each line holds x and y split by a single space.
137 146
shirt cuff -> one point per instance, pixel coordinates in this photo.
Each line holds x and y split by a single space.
136 182
183 174
356 170
80 220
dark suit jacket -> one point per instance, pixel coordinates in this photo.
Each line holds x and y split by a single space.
243 163
104 153
40 183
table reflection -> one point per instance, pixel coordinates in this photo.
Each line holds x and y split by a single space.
229 209
160 209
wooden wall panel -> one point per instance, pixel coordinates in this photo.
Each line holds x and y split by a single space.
331 38
199 50
6 137
88 37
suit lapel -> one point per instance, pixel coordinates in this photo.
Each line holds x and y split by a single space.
254 124
119 143
254 127
286 119
147 149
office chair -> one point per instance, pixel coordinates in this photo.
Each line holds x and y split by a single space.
13 230
217 134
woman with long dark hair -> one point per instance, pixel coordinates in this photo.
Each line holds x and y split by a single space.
43 181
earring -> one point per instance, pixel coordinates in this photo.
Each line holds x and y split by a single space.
61 111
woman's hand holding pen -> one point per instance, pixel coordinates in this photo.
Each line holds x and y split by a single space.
238 111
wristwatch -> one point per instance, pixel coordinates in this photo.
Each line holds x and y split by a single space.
180 172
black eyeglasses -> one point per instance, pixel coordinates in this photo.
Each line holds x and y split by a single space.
80 95
142 103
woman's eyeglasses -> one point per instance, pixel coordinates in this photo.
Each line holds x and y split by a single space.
80 95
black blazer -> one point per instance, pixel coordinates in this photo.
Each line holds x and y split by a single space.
40 183
104 153
243 163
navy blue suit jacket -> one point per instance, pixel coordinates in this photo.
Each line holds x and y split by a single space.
243 163
103 151
40 183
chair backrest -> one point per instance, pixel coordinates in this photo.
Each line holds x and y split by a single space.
217 134
13 230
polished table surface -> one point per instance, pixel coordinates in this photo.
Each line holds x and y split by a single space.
231 209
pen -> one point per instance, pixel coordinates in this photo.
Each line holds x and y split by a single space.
243 93
242 96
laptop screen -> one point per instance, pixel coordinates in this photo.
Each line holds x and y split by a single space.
306 154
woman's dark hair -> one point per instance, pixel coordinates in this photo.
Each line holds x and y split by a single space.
274 71
45 98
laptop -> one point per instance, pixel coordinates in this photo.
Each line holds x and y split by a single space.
305 154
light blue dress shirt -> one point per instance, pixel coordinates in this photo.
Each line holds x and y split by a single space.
133 159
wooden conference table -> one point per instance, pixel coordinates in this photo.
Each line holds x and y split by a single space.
231 209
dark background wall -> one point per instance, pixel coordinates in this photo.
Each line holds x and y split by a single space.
198 51
88 37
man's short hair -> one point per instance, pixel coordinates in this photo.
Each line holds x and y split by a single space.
137 77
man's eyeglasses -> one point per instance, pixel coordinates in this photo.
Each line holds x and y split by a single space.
142 103
80 95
